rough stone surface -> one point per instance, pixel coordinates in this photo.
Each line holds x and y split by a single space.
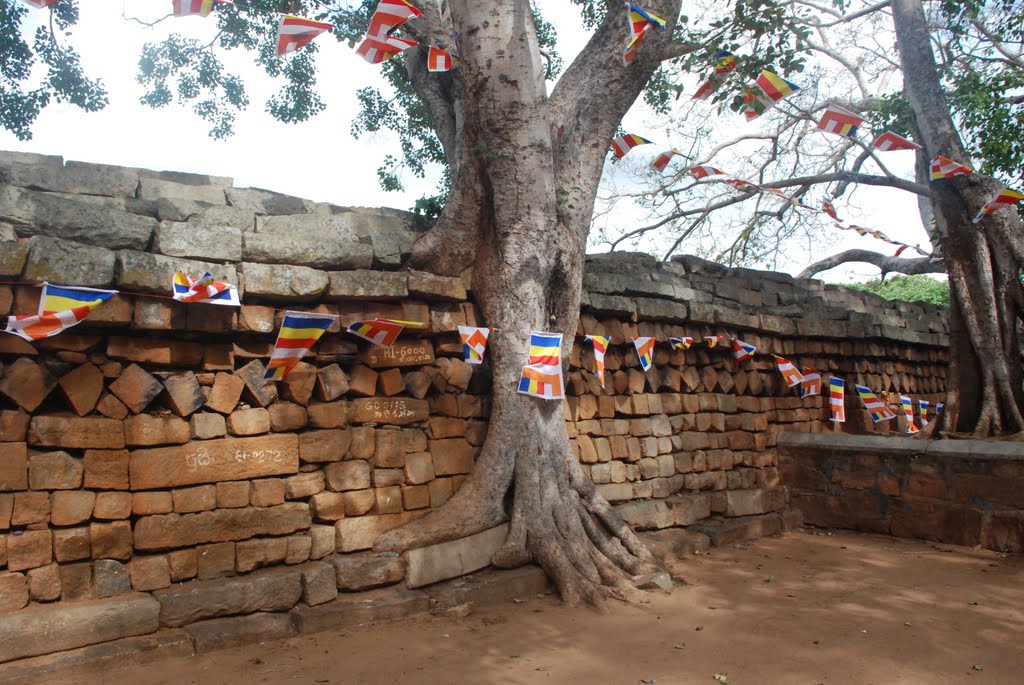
238 631
286 283
110 578
75 432
64 261
26 383
136 388
144 430
356 574
323 242
395 411
152 273
211 461
54 471
218 243
427 565
175 530
355 534
195 601
184 394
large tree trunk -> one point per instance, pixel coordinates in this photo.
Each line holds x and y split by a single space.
519 216
986 389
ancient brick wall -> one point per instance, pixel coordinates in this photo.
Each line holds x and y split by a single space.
965 492
141 449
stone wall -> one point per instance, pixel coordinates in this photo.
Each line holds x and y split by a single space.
965 492
141 449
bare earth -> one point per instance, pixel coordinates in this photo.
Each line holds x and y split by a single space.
806 608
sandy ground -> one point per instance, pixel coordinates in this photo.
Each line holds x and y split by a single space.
803 609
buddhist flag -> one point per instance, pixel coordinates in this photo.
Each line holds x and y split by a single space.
389 15
662 160
626 142
836 401
725 62
60 308
939 407
438 59
811 384
875 406
788 371
203 289
644 351
704 170
840 121
299 332
890 141
908 412
377 50
712 340
944 167
681 343
378 331
829 208
740 184
767 92
294 32
600 347
474 342
542 377
39 4
640 21
923 404
742 350
202 8
1004 198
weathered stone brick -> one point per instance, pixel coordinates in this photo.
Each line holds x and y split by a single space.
184 395
26 383
253 554
419 468
452 456
393 411
222 525
71 507
299 547
71 544
285 283
149 573
110 578
211 461
82 387
298 385
233 494
226 391
304 485
112 506
287 416
255 421
348 475
359 502
162 352
259 390
256 319
76 432
111 540
31 549
136 388
158 315
266 492
111 407
363 381
76 581
13 425
206 426
146 503
13 466
182 564
354 534
14 590
327 506
189 500
321 541
267 591
106 469
440 491
331 383
144 430
216 560
44 583
328 414
415 497
30 507
324 445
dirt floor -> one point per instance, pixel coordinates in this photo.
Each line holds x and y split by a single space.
807 608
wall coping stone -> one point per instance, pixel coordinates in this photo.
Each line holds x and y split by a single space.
839 443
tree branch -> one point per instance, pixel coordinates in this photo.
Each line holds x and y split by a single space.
853 177
885 263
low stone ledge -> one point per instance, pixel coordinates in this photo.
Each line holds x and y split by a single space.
491 586
129 651
275 590
43 629
239 631
454 558
825 444
742 528
348 611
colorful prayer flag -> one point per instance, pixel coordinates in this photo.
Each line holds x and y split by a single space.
829 208
662 160
939 406
681 343
725 62
890 141
202 8
377 50
836 401
60 308
811 384
378 331
705 170
389 15
767 92
908 412
474 342
944 167
40 4
1004 198
600 347
626 142
923 404
294 32
640 21
877 409
645 351
712 340
542 377
204 289
839 121
740 184
438 59
789 372
742 350
299 332
774 86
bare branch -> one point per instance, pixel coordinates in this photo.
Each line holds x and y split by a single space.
885 263
853 177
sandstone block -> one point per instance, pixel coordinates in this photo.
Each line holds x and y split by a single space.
106 469
363 381
71 544
268 202
261 391
284 283
30 507
402 353
318 583
415 497
253 554
452 456
355 534
65 261
71 507
110 578
326 242
76 432
26 383
82 387
287 416
419 468
445 560
149 573
148 351
266 492
331 383
190 500
12 257
182 564
327 506
31 549
184 395
214 561
158 315
222 525
205 426
44 583
14 591
431 287
356 574
145 430
348 475
304 485
211 461
298 549
136 388
328 414
76 581
112 506
298 385
13 425
254 421
226 391
322 540
393 411
145 503
191 602
51 628
256 319
111 407
217 243
111 540
239 631
13 466
324 445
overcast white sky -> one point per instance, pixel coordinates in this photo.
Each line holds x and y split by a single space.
318 159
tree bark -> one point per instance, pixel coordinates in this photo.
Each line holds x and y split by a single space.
986 395
519 215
